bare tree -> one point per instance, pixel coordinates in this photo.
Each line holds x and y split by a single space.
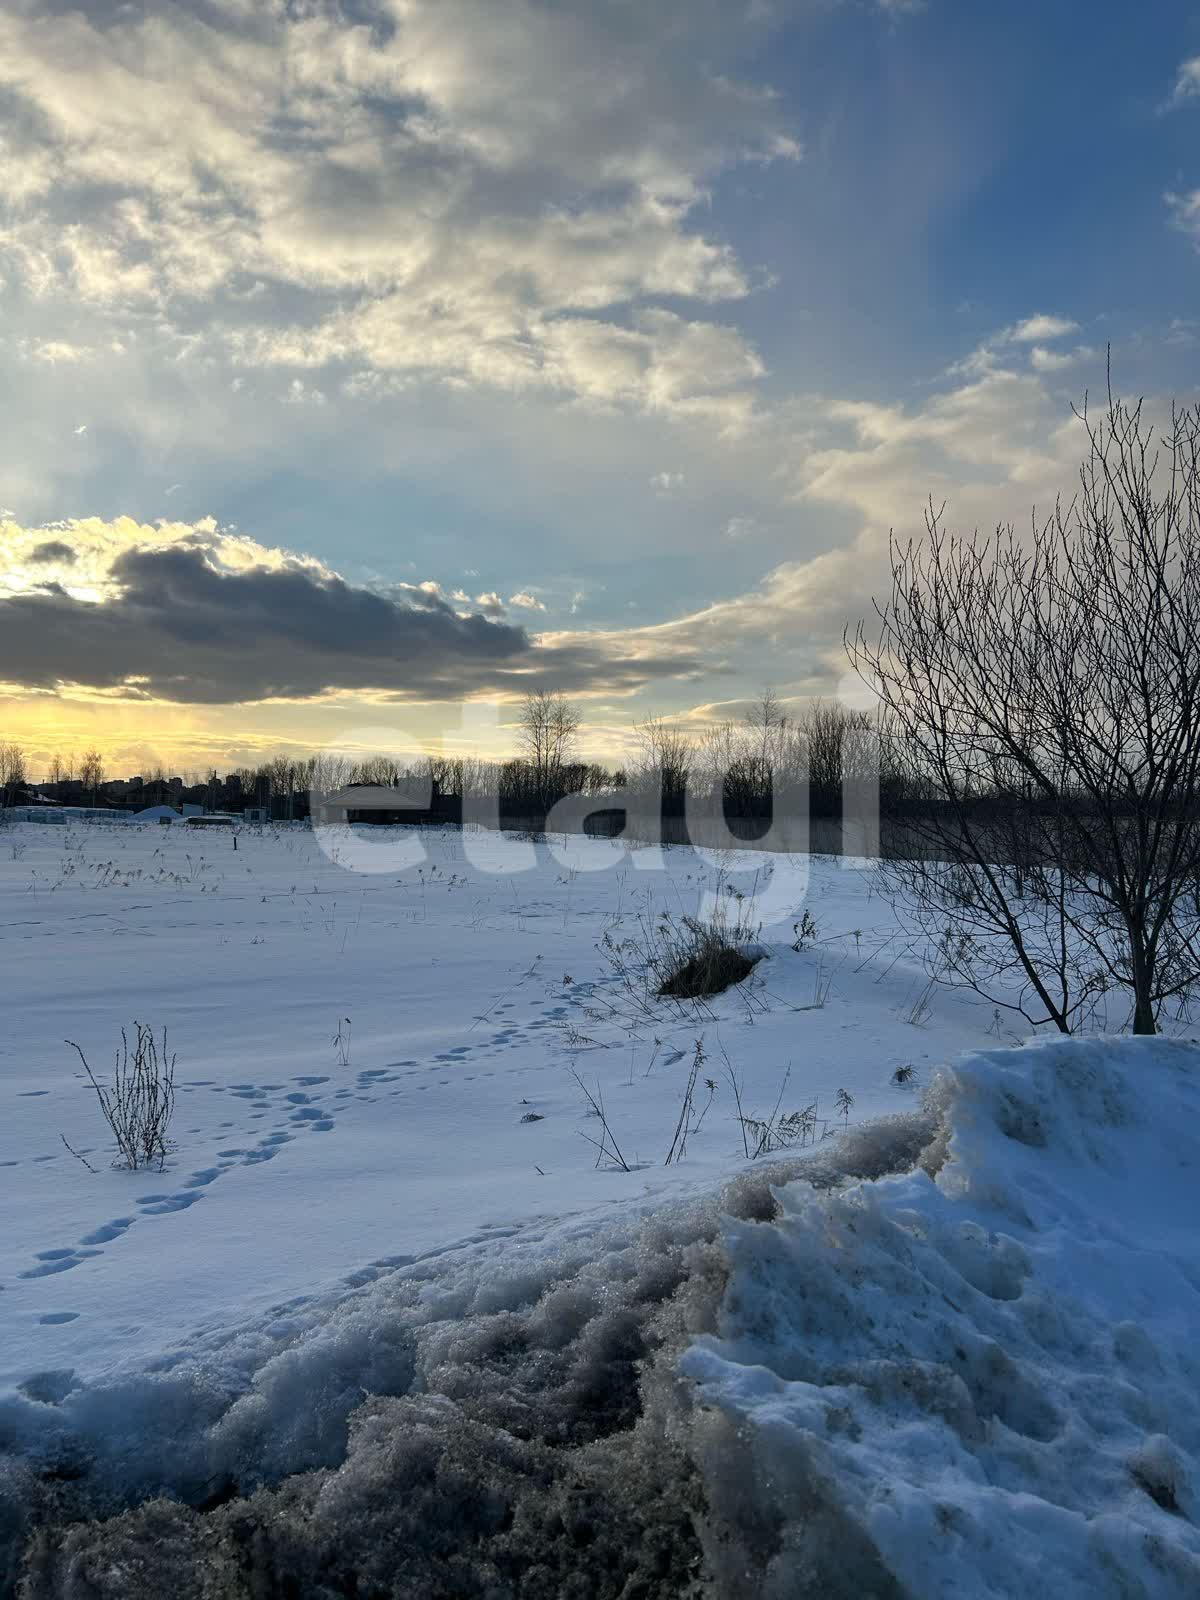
766 714
13 772
665 757
546 730
833 737
1041 708
91 773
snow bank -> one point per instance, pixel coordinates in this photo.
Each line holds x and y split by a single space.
479 1386
976 1378
983 1382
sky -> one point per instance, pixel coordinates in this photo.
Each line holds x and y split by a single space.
369 363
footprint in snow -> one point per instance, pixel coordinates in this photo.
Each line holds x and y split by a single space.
51 1262
109 1231
200 1180
161 1205
56 1318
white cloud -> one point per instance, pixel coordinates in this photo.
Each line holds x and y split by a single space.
1036 328
740 527
1187 83
991 447
301 394
467 183
1185 211
665 482
524 601
1043 360
57 351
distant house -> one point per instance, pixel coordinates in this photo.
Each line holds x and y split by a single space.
373 802
158 792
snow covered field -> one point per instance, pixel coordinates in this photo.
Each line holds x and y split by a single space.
297 1171
358 1051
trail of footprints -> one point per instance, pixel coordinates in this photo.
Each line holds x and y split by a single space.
303 1113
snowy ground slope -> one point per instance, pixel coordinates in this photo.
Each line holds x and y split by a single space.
298 1176
990 1380
980 1384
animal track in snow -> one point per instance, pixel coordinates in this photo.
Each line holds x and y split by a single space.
161 1205
51 1262
109 1231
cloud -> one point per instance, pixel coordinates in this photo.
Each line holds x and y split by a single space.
988 357
740 527
1041 327
190 613
991 447
1187 83
52 551
442 188
524 601
1185 211
665 482
1043 360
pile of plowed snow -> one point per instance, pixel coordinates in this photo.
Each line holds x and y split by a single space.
985 1382
975 1377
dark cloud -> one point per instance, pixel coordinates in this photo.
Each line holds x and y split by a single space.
52 550
181 629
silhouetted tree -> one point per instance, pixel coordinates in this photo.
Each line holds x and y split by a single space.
1042 701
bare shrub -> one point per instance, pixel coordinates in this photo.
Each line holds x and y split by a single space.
139 1101
1041 726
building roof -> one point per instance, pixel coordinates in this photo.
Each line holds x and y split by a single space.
372 797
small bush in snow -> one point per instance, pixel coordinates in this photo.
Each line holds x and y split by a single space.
139 1102
686 958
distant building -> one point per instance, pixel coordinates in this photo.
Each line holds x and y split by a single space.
371 802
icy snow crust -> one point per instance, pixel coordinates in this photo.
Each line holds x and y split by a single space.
989 1380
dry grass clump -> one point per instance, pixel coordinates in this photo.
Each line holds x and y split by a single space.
139 1100
702 961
